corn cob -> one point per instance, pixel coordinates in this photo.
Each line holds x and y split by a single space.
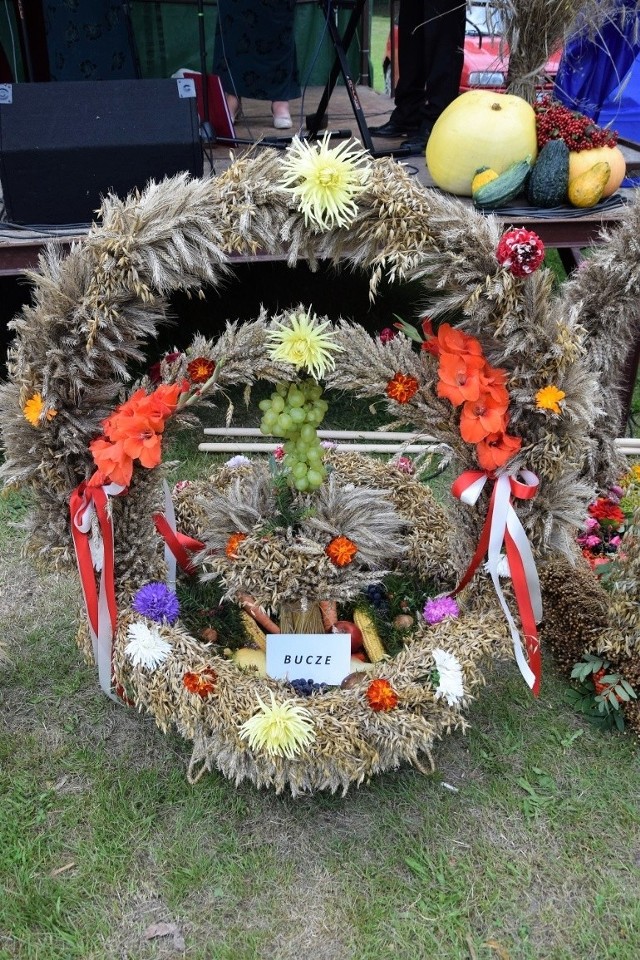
253 631
370 636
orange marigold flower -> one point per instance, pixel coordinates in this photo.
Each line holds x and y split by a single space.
200 369
452 340
34 410
548 398
202 684
341 551
402 387
482 417
459 377
232 544
496 449
381 695
112 462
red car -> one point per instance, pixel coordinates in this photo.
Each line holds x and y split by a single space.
485 65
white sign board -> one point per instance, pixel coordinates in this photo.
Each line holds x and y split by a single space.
321 657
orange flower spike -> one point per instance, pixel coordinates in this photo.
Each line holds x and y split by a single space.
459 377
232 544
493 380
452 340
496 449
402 388
164 398
381 696
341 551
111 460
482 417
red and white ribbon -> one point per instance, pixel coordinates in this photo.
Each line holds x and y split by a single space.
86 504
177 546
502 526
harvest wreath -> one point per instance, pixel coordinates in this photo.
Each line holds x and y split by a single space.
515 379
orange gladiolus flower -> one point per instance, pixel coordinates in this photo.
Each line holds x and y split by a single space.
496 449
482 417
341 551
493 380
232 544
402 387
200 369
202 684
381 696
141 442
459 377
452 340
112 462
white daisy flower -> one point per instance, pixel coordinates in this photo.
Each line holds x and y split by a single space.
146 648
450 685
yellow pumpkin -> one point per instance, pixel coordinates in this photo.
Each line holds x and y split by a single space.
479 129
580 162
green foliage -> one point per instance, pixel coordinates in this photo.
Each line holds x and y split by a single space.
202 608
600 693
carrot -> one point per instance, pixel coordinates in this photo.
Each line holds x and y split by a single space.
248 603
329 612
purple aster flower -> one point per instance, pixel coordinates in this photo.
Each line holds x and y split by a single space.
616 493
439 608
615 541
157 602
591 524
591 541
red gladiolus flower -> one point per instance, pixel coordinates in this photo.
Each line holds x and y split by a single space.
200 369
453 340
482 417
155 370
493 380
112 462
202 684
381 696
386 335
401 388
520 251
341 551
496 449
141 442
459 377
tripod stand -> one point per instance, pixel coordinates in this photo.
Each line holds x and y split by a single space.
341 45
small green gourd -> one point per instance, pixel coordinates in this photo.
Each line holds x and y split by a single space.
505 187
549 180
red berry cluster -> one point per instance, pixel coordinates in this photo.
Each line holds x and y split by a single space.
554 121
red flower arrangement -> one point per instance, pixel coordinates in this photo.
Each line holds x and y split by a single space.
202 684
466 379
133 432
520 251
402 388
606 511
200 369
381 696
341 551
232 544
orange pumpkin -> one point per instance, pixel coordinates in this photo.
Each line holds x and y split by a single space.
584 160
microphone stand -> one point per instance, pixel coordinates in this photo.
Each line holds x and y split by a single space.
206 127
24 37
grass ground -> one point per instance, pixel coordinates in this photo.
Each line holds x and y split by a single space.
524 845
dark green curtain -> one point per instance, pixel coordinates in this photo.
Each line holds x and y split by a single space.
167 39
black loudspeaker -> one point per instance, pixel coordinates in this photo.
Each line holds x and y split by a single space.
65 145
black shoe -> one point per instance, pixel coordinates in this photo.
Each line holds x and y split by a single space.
393 129
414 146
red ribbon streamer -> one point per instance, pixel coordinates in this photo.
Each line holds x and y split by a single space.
521 582
179 543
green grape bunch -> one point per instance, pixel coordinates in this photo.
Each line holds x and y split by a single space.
294 411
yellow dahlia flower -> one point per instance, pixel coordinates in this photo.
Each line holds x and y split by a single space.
301 341
324 181
281 729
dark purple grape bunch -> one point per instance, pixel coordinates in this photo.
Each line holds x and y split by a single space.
304 688
377 597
